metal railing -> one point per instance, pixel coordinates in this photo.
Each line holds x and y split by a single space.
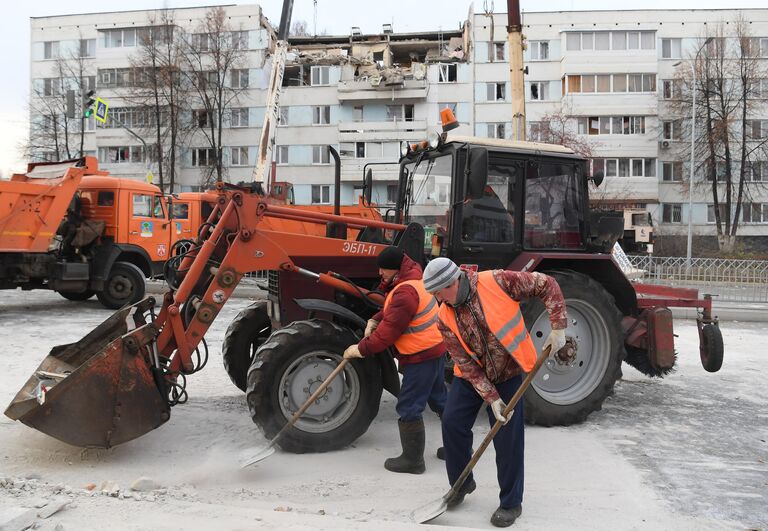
729 280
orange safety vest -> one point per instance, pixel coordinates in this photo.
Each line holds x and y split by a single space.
504 319
422 332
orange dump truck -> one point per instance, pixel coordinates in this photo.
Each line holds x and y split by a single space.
68 227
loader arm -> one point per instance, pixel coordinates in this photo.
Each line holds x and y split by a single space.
120 380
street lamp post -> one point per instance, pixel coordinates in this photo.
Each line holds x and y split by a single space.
693 145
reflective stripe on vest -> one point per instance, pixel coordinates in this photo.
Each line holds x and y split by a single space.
504 319
422 333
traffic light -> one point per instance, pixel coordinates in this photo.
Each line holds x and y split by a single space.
88 101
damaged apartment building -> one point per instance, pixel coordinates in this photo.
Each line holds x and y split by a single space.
365 94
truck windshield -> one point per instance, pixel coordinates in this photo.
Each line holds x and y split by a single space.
429 194
553 214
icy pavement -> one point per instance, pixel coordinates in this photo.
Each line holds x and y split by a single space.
688 452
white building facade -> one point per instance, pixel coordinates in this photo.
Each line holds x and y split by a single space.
610 72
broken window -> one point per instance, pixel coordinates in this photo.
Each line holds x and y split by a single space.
496 91
540 91
447 73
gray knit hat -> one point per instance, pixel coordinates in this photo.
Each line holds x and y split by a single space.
440 273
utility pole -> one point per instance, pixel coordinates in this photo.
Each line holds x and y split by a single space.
517 85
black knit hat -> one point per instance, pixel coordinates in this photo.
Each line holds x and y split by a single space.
390 258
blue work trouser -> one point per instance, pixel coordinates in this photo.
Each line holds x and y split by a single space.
423 383
459 417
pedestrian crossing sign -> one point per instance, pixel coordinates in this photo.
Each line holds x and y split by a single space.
102 109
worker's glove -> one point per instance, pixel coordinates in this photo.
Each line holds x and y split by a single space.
370 327
352 352
556 340
498 406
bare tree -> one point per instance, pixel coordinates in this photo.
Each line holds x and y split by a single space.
160 92
217 73
52 130
299 29
728 143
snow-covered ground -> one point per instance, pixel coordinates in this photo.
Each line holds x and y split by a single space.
688 452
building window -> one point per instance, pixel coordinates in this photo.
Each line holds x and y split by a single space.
611 125
321 193
495 51
239 78
51 50
239 156
282 155
536 131
610 40
671 48
240 117
756 129
539 50
282 117
87 47
672 171
201 118
201 42
756 171
320 75
497 130
496 91
239 40
711 213
672 213
51 86
360 150
120 154
670 89
359 114
321 155
120 38
671 130
600 83
447 73
321 115
753 212
203 157
625 167
540 90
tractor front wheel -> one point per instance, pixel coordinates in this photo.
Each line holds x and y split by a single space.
245 334
564 394
290 366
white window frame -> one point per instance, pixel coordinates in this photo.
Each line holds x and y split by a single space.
671 48
239 117
320 155
497 130
539 50
542 89
51 50
197 155
496 91
361 108
669 168
239 156
320 76
283 117
444 72
90 48
239 78
324 194
282 155
321 115
670 130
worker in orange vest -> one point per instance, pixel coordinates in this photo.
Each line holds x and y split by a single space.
408 321
483 328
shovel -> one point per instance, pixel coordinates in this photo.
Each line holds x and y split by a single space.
433 509
270 448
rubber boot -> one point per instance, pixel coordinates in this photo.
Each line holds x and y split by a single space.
411 461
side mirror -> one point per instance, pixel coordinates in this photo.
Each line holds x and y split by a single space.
478 172
368 186
598 178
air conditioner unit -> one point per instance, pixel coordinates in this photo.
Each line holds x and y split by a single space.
355 31
664 144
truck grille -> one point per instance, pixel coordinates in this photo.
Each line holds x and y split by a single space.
273 283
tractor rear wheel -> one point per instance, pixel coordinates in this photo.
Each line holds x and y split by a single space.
566 394
124 285
77 296
288 368
711 349
245 334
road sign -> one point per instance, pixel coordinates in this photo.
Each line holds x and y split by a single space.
102 109
150 177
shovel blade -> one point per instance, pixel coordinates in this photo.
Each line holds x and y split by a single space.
98 392
251 458
429 511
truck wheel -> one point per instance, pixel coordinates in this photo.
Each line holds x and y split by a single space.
245 334
562 394
287 369
74 296
124 285
711 349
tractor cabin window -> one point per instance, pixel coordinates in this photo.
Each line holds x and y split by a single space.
429 201
554 217
491 218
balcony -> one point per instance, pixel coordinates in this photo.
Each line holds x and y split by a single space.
382 131
352 170
374 89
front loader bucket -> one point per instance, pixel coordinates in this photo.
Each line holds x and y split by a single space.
100 391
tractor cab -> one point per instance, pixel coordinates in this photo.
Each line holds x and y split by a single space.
484 201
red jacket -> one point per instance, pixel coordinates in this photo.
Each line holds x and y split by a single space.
399 314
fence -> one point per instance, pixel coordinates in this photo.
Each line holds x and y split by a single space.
729 280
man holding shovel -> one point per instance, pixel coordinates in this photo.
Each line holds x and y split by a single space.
408 321
483 328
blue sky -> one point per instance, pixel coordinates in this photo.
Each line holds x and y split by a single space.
333 16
